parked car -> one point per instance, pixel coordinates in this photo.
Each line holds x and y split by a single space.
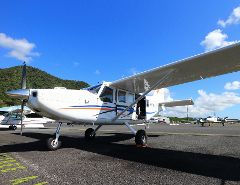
153 120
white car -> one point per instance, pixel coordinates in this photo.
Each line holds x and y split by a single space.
153 120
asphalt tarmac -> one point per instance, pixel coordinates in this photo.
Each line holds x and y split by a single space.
179 154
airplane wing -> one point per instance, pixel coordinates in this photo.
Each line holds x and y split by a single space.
177 103
25 111
214 63
5 109
232 120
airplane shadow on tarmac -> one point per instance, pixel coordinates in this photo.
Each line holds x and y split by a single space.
221 167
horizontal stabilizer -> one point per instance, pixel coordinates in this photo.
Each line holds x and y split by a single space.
177 103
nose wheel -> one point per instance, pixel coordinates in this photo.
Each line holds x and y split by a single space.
53 144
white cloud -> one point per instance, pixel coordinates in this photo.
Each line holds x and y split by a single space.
133 71
75 64
232 86
97 72
211 102
216 39
167 96
205 104
234 18
21 48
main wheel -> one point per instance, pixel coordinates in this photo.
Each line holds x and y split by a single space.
89 135
12 127
51 145
141 138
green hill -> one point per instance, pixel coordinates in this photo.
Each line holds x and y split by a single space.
10 79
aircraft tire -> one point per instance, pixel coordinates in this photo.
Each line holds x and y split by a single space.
50 144
141 138
10 127
14 127
88 134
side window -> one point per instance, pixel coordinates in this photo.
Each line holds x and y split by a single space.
131 97
122 96
107 95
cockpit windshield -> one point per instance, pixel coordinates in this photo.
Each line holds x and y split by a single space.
14 115
210 117
94 89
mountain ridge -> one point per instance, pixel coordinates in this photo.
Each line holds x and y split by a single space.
10 79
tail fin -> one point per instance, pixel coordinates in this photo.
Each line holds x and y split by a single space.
158 96
153 100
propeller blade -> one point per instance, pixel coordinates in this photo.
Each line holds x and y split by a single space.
22 106
23 82
22 93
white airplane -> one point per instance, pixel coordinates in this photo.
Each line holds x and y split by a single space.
124 102
209 119
12 119
214 119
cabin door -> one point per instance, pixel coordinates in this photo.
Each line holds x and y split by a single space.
108 106
122 102
141 108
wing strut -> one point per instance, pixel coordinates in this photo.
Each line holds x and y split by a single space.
144 94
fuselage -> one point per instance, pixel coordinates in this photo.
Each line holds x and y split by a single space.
95 105
212 119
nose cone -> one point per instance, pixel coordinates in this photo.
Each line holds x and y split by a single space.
19 94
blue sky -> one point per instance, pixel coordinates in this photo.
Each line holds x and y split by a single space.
94 41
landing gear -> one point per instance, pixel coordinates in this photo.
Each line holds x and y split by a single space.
12 127
89 135
54 143
141 138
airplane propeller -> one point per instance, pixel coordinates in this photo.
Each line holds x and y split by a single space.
22 93
23 86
